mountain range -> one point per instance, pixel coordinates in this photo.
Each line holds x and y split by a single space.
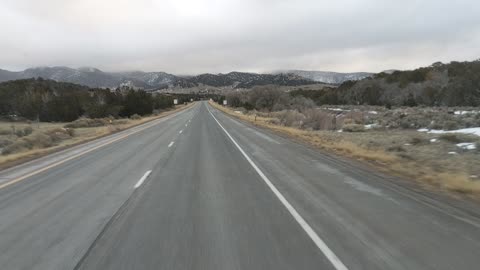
94 77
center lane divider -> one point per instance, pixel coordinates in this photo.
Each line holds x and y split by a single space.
140 182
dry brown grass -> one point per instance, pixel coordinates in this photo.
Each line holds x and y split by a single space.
407 154
38 144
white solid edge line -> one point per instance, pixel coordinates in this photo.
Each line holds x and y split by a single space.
140 182
180 131
170 144
334 260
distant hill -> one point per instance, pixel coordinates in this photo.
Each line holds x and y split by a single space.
6 75
329 77
246 80
93 77
453 84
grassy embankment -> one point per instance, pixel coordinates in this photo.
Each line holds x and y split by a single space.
405 153
22 141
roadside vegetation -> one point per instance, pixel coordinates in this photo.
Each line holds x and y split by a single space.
437 145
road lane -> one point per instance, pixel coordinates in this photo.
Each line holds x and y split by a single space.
49 220
331 256
369 221
207 208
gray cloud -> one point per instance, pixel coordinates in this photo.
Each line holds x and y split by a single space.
193 36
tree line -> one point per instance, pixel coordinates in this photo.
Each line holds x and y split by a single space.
51 101
453 84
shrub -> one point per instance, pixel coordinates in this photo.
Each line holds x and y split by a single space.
58 134
5 142
435 125
450 125
274 121
417 140
27 131
449 138
457 138
120 122
319 120
356 117
14 148
353 128
37 140
396 148
87 122
135 117
70 132
291 118
19 133
413 121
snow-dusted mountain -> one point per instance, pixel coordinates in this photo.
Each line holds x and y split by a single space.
93 77
328 76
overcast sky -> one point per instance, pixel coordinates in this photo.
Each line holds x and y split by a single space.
196 36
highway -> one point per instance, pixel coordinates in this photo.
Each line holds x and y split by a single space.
201 190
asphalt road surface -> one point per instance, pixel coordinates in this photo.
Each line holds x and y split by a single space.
201 190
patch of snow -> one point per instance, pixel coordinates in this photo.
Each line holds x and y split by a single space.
473 131
370 126
407 144
373 112
465 112
239 112
467 146
335 109
452 153
433 140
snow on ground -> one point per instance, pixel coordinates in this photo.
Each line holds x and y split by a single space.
337 110
370 126
466 112
373 112
474 131
467 146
